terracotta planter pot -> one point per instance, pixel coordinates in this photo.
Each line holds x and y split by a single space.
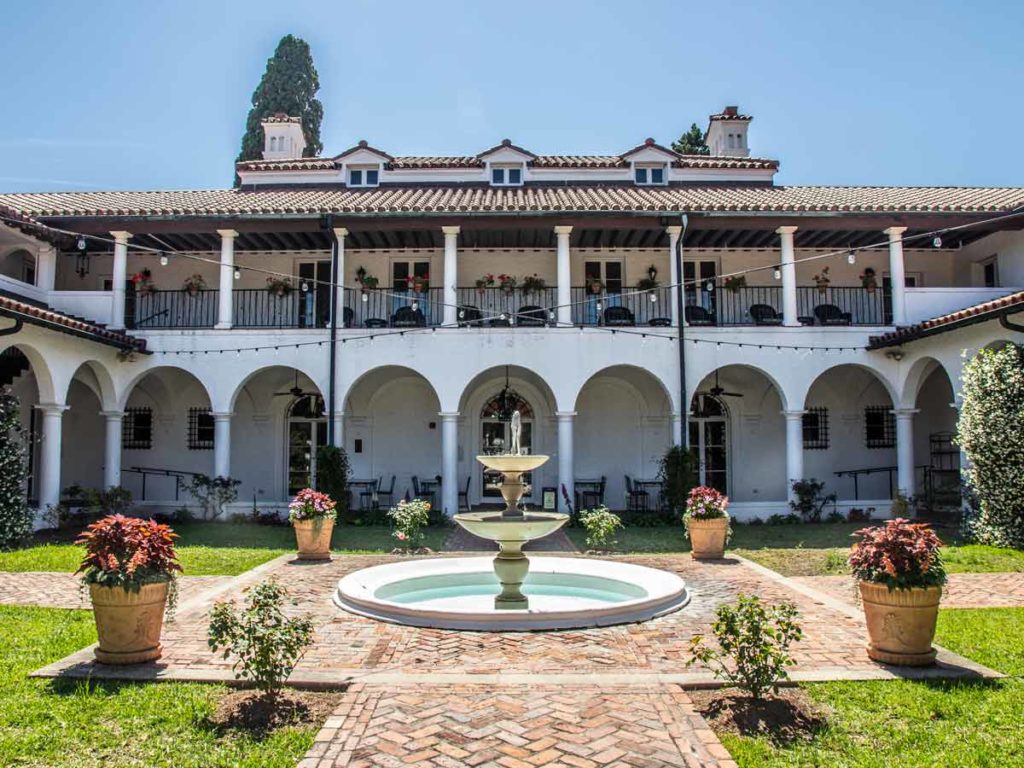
707 537
901 623
128 623
314 538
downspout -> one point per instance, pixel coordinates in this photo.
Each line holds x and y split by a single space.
1010 326
332 363
18 325
681 314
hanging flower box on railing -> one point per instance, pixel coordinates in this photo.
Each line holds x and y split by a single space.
367 282
143 282
484 282
533 284
734 283
507 283
279 286
194 284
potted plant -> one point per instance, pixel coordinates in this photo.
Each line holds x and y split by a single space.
735 282
822 280
312 515
143 282
279 286
367 282
594 284
507 283
647 283
900 574
418 283
129 566
484 282
533 284
707 522
194 284
868 280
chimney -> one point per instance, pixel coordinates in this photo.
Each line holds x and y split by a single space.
727 133
282 137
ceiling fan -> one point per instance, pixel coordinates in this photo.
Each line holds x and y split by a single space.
719 391
296 390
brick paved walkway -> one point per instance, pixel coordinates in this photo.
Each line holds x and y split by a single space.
964 590
518 726
61 590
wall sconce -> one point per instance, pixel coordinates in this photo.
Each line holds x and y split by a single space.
896 354
82 261
652 272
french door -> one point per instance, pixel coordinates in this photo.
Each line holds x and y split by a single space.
307 433
708 433
697 275
314 294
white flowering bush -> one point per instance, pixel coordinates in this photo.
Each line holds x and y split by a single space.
600 524
15 515
991 432
409 518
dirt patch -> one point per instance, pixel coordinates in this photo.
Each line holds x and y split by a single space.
249 711
790 716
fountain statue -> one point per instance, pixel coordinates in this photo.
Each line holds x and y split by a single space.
513 527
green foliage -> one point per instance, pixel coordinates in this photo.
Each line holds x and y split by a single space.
753 642
15 515
409 518
991 433
678 472
811 499
212 494
266 643
691 142
288 85
333 471
601 525
115 500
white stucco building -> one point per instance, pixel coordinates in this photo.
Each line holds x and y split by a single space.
791 372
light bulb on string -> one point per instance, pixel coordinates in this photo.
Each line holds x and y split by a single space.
937 242
305 287
654 298
238 274
851 257
710 286
366 298
163 259
777 273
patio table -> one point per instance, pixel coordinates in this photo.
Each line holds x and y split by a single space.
367 491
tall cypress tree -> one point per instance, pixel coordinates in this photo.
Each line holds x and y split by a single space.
15 515
691 142
289 85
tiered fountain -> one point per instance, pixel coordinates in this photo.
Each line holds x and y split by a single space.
509 592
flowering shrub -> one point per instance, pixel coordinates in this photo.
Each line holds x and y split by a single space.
409 518
127 552
15 515
899 554
311 505
507 282
705 503
601 525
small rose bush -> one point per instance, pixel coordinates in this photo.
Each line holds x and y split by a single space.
409 518
311 505
899 554
600 524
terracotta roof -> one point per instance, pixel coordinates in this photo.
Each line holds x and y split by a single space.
17 220
650 144
979 313
58 321
577 198
364 144
730 113
281 117
506 144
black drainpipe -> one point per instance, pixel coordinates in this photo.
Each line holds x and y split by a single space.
684 435
332 363
1010 326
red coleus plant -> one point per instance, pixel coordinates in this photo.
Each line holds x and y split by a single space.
127 552
900 554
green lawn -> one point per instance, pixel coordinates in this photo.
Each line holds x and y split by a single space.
86 725
806 549
882 724
228 549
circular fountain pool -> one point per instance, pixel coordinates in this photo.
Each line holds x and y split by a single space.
563 592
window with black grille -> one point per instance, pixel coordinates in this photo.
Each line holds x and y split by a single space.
879 427
815 423
200 429
137 429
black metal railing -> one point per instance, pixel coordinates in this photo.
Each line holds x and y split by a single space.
171 309
179 476
260 308
630 307
840 305
746 304
496 307
383 308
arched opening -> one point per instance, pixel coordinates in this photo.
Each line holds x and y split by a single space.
495 426
20 265
83 427
934 447
17 372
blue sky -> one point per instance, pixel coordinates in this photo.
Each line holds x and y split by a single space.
140 95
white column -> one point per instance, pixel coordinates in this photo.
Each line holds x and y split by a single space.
449 462
49 455
673 242
222 444
566 477
788 269
563 278
225 298
118 278
794 450
112 449
677 428
339 429
897 275
340 233
451 274
46 268
905 450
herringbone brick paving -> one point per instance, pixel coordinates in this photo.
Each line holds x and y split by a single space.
963 590
48 589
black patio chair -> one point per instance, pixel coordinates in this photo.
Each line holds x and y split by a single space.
407 317
366 496
470 316
830 314
593 497
696 315
464 497
385 496
375 322
618 316
499 322
765 314
347 316
660 322
637 499
531 316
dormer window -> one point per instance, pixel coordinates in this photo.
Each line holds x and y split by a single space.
363 177
506 175
649 174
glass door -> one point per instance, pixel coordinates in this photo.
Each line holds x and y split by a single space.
314 294
697 277
307 433
708 434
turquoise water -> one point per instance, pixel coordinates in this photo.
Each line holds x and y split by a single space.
567 585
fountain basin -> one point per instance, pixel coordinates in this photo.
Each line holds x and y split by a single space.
458 593
504 462
499 527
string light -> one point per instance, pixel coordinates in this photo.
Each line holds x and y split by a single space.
937 242
851 257
163 259
238 274
777 273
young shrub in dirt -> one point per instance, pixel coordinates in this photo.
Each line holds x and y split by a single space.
409 518
753 640
15 515
600 524
266 643
212 494
991 432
